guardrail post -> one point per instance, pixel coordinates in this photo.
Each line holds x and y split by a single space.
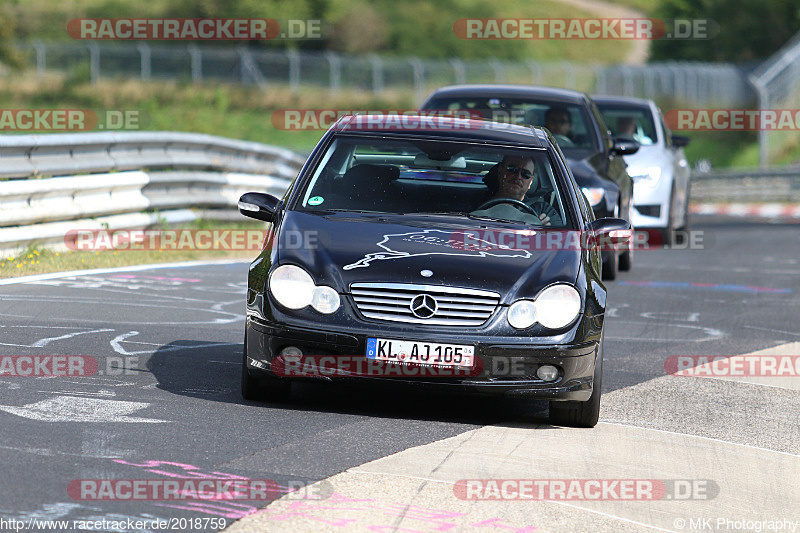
459 72
627 81
419 77
94 61
335 65
41 58
536 72
197 62
499 70
763 103
294 69
144 52
377 73
569 75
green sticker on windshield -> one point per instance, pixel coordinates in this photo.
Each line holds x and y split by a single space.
315 200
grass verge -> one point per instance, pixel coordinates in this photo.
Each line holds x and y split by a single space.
37 259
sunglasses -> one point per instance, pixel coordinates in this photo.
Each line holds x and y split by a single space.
524 172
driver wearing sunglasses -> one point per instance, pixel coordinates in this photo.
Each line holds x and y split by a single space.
515 176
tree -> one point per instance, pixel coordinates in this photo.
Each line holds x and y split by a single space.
749 30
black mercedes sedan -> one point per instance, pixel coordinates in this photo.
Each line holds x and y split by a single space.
451 254
593 155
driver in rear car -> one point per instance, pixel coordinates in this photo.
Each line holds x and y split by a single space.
515 176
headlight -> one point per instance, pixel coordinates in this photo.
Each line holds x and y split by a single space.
522 314
593 194
555 307
294 288
325 300
291 286
647 175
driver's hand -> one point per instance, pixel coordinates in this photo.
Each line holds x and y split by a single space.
545 219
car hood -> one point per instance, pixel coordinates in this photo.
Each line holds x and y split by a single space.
344 248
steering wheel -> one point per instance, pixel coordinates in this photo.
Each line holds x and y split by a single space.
543 206
516 203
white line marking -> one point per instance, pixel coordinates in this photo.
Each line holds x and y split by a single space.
44 342
136 268
77 409
774 330
233 317
116 345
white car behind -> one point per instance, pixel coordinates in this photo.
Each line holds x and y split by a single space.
659 168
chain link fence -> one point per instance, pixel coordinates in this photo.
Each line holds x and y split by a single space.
773 85
693 83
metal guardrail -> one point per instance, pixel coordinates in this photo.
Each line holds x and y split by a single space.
51 184
110 180
748 186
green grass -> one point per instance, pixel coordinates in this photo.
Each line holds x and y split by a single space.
37 259
722 148
246 112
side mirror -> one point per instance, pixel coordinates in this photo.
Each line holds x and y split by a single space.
679 141
609 233
623 146
258 205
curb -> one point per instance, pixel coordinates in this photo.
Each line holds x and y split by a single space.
764 210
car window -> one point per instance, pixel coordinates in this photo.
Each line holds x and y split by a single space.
534 112
633 122
392 176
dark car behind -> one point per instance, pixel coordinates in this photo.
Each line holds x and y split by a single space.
593 155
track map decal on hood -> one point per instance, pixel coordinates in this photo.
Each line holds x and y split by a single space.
457 242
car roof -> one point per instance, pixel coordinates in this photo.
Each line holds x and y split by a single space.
458 129
625 100
510 91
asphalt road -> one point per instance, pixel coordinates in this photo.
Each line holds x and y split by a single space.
175 413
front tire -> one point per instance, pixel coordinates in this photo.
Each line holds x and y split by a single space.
610 265
582 414
668 233
626 259
263 389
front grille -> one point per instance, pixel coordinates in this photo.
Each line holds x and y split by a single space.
454 306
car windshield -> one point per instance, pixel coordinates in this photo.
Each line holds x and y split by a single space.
632 122
569 123
436 178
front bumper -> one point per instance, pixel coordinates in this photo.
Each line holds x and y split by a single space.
506 366
647 195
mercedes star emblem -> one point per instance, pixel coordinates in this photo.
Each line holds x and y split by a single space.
423 306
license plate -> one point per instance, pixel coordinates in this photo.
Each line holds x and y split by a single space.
426 353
